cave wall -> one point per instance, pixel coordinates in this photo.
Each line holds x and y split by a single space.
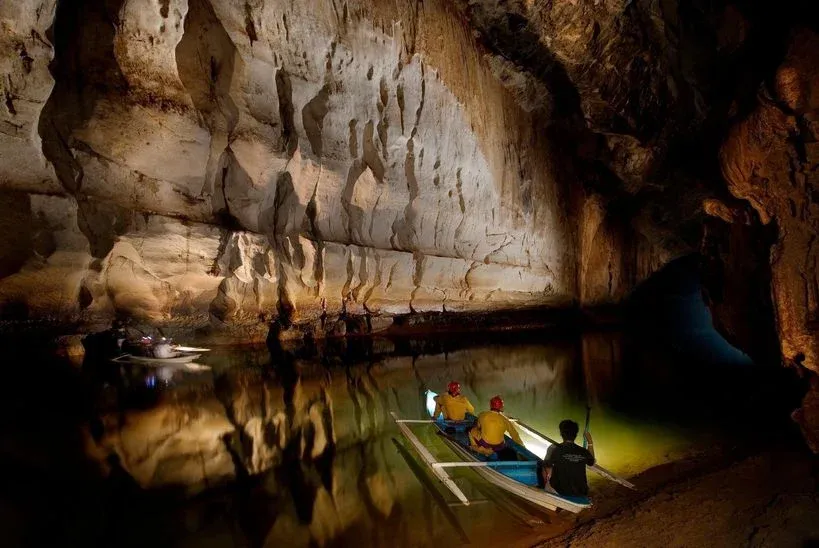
223 164
771 159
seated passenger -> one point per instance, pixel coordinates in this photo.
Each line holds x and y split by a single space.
454 405
564 468
488 435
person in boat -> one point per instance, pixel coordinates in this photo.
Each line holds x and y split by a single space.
488 436
454 405
563 470
163 349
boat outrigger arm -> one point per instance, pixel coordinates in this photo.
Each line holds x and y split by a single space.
430 460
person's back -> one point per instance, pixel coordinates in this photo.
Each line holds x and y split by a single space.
163 350
454 408
493 427
566 463
453 404
487 436
569 462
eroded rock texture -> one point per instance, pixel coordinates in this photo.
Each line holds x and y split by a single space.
771 159
226 164
221 165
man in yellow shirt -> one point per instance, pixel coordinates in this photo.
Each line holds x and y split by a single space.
454 405
488 435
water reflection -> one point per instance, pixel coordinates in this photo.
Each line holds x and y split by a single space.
305 445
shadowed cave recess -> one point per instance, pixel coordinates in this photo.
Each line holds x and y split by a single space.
328 175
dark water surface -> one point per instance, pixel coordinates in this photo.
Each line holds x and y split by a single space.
298 448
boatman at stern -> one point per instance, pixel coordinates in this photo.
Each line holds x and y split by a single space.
564 468
454 405
488 435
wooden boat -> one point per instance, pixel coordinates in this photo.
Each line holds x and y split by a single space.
184 358
518 476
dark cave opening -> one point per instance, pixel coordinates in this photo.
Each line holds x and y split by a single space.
675 346
670 307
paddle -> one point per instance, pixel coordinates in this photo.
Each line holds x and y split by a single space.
586 428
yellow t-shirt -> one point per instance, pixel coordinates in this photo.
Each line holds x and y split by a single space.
494 425
455 408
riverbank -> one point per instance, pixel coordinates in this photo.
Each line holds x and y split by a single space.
327 331
770 498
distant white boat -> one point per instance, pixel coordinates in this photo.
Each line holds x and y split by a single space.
186 358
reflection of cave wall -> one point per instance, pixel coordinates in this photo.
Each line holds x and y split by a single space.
259 418
316 437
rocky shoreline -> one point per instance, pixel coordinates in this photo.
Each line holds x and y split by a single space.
766 499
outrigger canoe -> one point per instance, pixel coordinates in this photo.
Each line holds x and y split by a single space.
517 476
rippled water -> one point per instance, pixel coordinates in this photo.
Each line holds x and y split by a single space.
301 450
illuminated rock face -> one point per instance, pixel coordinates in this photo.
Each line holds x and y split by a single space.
218 165
224 164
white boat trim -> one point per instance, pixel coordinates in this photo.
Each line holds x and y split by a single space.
511 463
430 460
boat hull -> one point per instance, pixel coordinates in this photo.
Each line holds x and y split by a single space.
520 480
158 361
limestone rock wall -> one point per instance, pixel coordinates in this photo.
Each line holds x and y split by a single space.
771 159
217 165
25 86
221 164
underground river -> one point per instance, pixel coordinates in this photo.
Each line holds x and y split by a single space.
298 448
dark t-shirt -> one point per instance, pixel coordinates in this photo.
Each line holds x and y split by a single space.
568 461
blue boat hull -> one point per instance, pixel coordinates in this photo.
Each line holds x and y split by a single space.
457 433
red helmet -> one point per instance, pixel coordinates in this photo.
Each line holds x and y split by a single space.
454 388
496 404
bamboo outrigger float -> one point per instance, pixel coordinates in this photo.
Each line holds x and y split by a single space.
518 477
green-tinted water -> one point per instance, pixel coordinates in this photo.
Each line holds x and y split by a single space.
325 465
